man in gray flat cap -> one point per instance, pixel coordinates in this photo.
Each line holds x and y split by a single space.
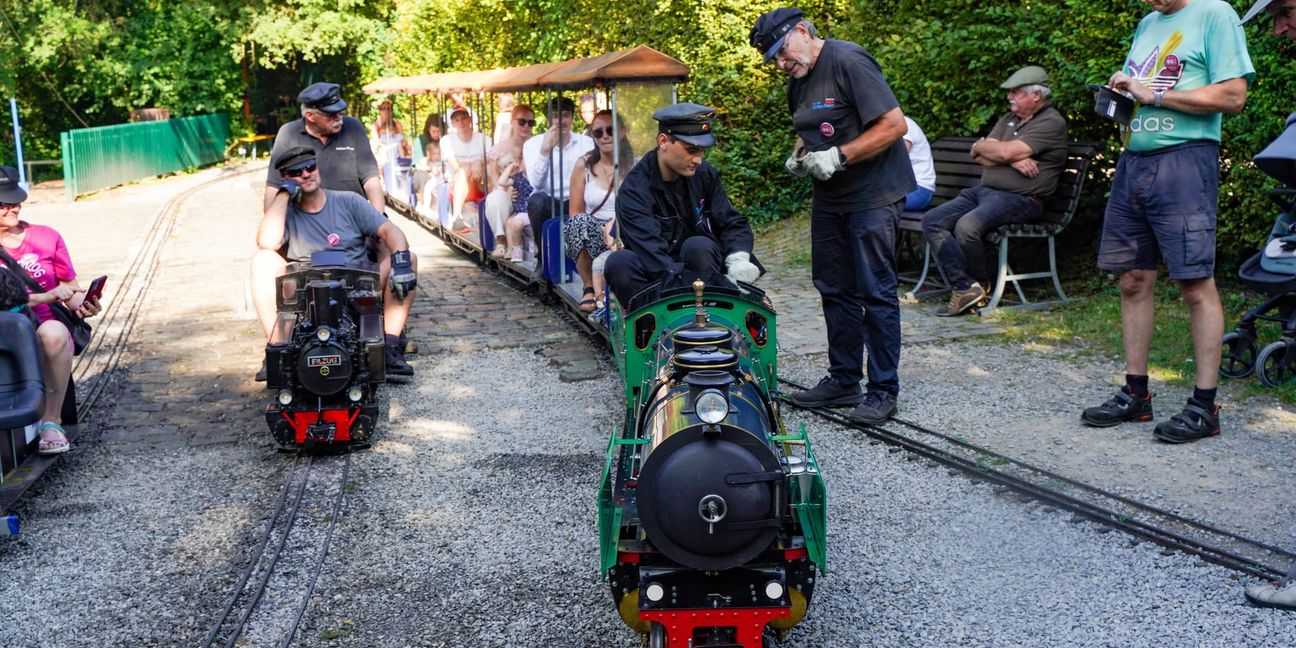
1023 158
346 162
676 221
1280 594
850 130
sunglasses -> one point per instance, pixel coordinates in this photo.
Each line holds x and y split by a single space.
526 123
598 133
297 173
9 205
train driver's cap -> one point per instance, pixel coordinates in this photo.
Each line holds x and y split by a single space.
688 122
294 158
322 96
771 28
1255 9
10 192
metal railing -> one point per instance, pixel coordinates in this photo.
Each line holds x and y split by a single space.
106 156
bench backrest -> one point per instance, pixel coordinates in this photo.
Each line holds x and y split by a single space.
956 171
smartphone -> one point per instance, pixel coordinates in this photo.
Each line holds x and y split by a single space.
96 288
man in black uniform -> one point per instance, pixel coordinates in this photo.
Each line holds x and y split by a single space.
676 222
346 163
851 128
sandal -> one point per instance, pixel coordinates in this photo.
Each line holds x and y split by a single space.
588 304
53 439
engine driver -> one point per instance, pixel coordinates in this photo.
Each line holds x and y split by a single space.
303 218
676 222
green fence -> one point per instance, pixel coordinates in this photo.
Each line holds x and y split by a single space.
95 158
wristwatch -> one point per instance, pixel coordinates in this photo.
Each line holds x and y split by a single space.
1156 97
841 157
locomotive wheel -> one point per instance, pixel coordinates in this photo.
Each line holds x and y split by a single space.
657 636
1276 364
1240 353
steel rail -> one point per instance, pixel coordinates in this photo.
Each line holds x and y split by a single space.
319 563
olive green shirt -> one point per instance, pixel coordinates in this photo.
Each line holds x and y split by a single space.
1045 134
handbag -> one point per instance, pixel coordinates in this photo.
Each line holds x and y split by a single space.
79 329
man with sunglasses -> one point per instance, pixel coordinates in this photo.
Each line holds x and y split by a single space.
850 130
549 159
676 221
346 162
303 218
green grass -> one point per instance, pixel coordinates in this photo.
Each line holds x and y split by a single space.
1093 325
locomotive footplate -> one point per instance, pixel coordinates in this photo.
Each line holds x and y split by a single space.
740 587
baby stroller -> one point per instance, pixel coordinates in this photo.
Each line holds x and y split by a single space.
1273 272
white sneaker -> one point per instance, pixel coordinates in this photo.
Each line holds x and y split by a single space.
500 251
1280 595
515 254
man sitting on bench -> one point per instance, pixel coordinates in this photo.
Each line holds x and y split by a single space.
1023 156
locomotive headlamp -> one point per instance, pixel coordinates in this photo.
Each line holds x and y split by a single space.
655 592
774 590
355 393
323 334
285 397
711 406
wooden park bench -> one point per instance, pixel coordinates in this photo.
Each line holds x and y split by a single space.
956 171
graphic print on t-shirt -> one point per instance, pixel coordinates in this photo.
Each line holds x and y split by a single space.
1161 69
31 263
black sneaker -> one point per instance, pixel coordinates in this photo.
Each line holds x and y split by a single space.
396 365
1193 423
827 394
962 301
876 409
1121 408
261 373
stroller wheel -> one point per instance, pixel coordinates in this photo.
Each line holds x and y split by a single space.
1240 353
1277 363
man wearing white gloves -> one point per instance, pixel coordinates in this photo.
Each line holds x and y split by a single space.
675 220
850 130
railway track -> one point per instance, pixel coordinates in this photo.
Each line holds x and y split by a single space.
1138 519
267 604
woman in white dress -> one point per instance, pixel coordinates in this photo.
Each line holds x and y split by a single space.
388 141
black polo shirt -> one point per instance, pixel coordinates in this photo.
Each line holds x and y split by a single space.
843 94
345 160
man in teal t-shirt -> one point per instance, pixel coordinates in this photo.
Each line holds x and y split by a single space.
1187 66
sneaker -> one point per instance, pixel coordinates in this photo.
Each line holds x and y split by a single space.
1280 594
396 364
1121 408
827 394
877 407
1193 423
500 251
261 373
516 255
962 301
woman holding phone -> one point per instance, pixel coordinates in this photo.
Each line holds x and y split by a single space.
39 252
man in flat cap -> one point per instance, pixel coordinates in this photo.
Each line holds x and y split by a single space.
1280 594
1187 65
304 217
1023 158
341 146
850 130
675 220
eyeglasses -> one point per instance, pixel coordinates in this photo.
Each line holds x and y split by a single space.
526 123
9 205
598 133
297 173
331 115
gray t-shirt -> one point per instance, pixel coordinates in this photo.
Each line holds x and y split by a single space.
342 224
844 93
345 160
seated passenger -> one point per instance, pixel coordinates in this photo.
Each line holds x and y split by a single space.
593 200
1023 158
40 253
542 155
510 189
676 222
429 173
305 218
387 138
920 157
433 129
463 150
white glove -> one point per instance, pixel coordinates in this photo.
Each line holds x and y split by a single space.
822 164
795 167
741 268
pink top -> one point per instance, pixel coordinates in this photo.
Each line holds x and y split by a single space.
44 256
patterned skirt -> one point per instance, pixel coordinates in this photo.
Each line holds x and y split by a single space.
583 232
